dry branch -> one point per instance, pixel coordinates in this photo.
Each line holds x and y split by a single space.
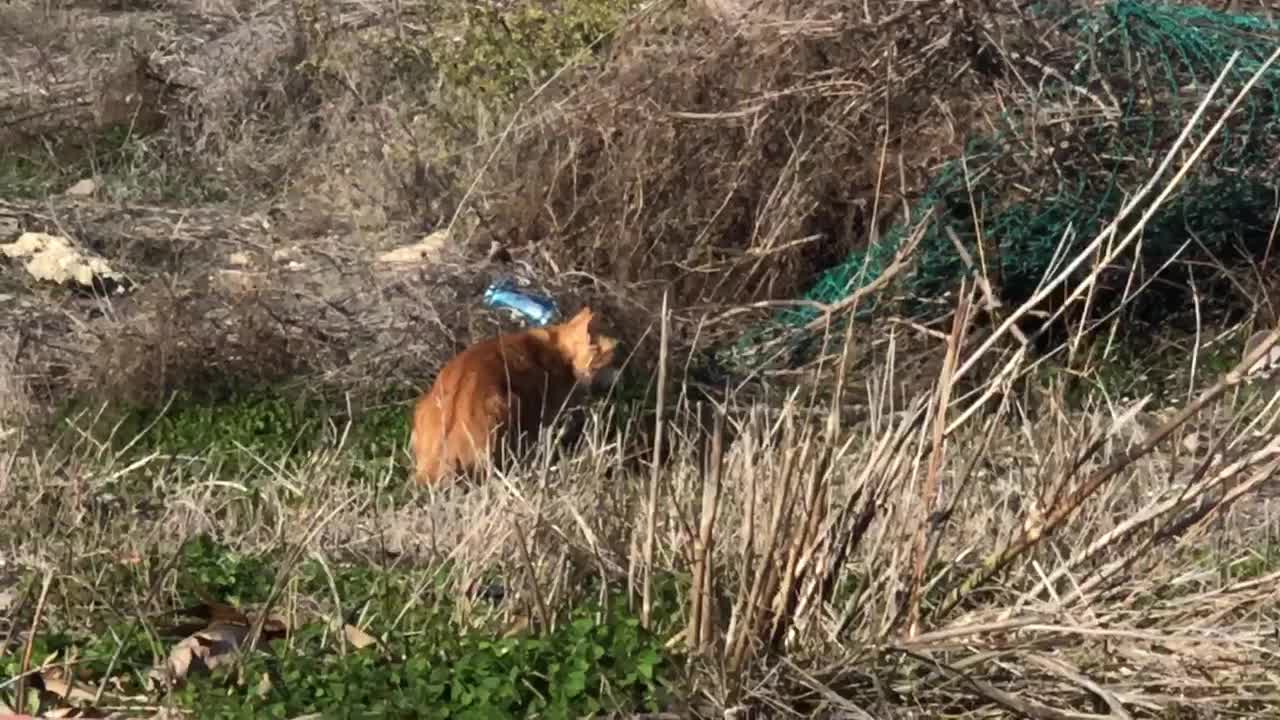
116 223
222 77
83 104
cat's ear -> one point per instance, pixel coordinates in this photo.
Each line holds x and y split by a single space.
580 323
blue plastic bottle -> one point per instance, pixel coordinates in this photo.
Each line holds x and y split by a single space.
539 311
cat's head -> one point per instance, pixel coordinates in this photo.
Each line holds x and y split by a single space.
588 351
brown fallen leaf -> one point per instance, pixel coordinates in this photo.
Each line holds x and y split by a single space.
213 642
214 611
211 613
67 689
206 649
358 638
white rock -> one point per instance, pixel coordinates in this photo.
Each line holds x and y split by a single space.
428 247
238 281
53 258
82 188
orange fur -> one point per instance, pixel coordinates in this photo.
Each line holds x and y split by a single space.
494 397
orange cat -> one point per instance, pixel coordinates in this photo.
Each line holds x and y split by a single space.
494 397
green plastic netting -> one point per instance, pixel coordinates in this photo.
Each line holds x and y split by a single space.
1055 173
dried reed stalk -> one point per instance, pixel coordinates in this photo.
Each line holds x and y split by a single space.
701 597
929 493
655 476
1060 512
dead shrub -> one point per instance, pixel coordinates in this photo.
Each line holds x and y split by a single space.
203 344
734 161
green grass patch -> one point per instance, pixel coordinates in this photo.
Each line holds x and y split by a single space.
239 428
242 431
425 665
128 166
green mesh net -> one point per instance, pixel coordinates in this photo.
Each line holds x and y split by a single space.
1044 184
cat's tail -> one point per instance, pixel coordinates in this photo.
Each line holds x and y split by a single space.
427 443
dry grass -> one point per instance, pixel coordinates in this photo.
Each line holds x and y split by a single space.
1071 560
913 525
15 404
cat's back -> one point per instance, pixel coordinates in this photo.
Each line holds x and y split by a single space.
515 355
517 362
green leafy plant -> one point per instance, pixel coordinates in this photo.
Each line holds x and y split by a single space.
502 52
266 423
237 430
208 569
601 659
